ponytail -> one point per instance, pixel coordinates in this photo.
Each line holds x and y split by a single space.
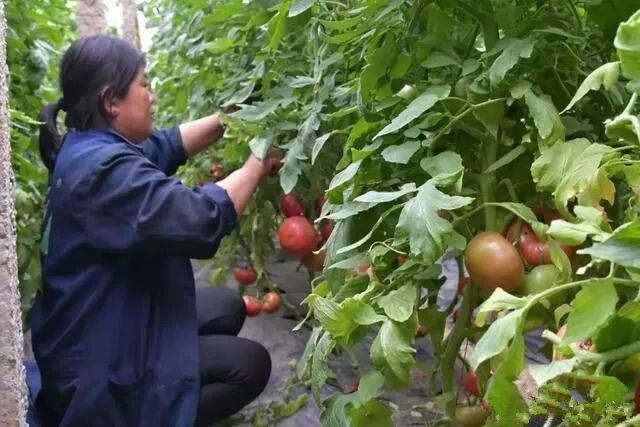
50 138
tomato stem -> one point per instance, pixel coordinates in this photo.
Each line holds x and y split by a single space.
452 347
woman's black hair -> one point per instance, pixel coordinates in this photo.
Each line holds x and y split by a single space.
93 70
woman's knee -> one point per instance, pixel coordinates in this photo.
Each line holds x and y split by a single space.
220 311
257 367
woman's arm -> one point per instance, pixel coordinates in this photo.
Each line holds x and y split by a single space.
241 183
199 134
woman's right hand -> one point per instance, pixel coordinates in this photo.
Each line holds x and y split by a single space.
270 165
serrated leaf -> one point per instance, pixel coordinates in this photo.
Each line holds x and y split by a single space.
445 169
604 76
501 300
496 339
419 220
514 50
260 145
542 374
337 408
386 196
592 306
333 318
503 395
567 170
416 108
319 369
392 353
401 153
622 248
292 166
399 304
543 112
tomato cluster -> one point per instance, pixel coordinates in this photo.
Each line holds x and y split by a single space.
270 304
298 236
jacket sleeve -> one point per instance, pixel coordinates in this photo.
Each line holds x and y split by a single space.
164 148
129 204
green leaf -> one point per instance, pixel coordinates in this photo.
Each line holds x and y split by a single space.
593 306
278 25
372 414
344 176
401 153
608 390
622 248
256 112
351 262
338 407
507 158
302 81
386 196
501 300
606 75
445 169
439 59
514 50
617 332
399 304
392 353
572 169
317 146
503 395
496 339
260 145
416 108
300 6
419 220
576 234
522 211
350 209
319 370
544 113
361 312
627 43
292 166
304 363
542 374
219 46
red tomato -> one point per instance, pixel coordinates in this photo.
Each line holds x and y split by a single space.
325 231
470 382
297 236
271 302
291 206
217 171
401 260
245 275
363 268
252 305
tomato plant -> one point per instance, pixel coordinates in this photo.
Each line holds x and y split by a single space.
428 127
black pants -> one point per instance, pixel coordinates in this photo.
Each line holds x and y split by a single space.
233 370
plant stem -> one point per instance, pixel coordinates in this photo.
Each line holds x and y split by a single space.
452 346
487 183
608 356
631 104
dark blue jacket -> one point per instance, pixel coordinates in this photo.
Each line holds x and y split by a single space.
114 327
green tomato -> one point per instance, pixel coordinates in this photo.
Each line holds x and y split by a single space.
471 416
542 278
628 369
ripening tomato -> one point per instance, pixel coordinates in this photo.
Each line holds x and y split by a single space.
471 416
245 275
291 206
493 262
252 306
271 302
313 261
325 231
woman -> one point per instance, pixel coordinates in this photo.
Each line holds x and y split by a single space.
119 334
